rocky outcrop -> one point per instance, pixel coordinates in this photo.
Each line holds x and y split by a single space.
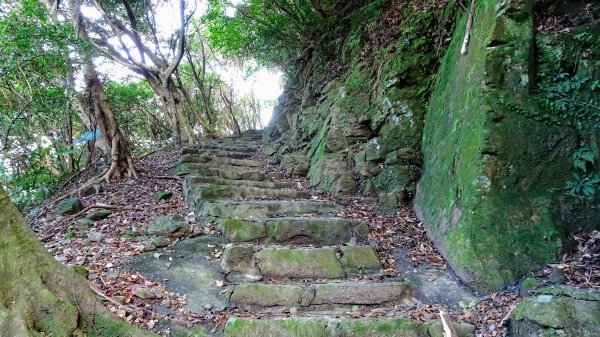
558 311
360 130
492 192
488 136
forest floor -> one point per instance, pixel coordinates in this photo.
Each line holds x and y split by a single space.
399 238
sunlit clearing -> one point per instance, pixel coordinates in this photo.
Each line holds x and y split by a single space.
267 88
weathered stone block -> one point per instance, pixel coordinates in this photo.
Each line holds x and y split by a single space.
171 225
360 259
70 206
266 295
299 263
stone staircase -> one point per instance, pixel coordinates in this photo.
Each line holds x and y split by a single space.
289 255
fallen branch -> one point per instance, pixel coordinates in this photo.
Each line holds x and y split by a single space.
463 50
103 206
163 207
165 177
449 330
507 317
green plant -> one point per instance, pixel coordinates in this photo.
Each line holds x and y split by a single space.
568 100
465 305
584 183
70 234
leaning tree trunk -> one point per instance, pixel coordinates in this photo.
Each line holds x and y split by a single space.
41 297
121 161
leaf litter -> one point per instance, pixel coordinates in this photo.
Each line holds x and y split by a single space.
389 233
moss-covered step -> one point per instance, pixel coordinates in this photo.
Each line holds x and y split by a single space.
263 209
256 296
215 191
573 311
196 158
228 172
229 147
295 230
193 180
245 262
218 153
318 326
192 167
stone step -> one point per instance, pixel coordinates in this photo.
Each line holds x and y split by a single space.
320 326
225 172
191 167
323 296
320 231
263 209
215 191
229 147
195 158
218 153
247 263
193 180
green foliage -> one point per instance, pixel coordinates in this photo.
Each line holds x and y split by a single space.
70 234
584 183
135 106
570 100
36 180
465 305
270 32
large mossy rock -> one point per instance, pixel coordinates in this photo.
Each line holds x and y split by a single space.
360 129
491 194
558 311
70 206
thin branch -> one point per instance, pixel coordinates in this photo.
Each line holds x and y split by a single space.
463 50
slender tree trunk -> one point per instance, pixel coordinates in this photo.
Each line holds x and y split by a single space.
121 160
171 104
229 103
202 121
69 139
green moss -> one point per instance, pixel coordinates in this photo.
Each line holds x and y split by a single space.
318 262
243 230
196 331
81 270
104 327
368 327
237 327
486 193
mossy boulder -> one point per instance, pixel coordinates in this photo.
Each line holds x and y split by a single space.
491 194
568 310
162 195
171 225
70 206
98 215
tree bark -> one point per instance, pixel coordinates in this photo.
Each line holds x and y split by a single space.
41 297
121 162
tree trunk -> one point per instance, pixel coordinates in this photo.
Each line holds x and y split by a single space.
41 297
229 103
172 105
121 161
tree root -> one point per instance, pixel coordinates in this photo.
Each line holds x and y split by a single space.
41 297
